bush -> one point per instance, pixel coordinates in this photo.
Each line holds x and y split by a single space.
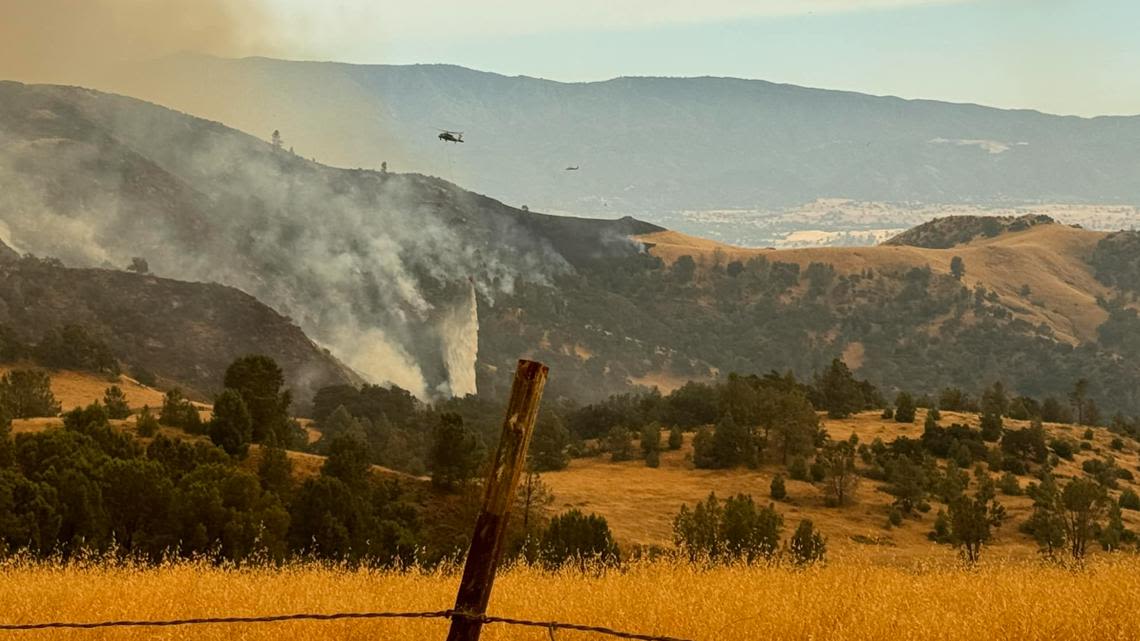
116 403
144 376
895 516
1063 448
146 425
888 413
579 538
619 443
676 439
1129 500
736 531
27 393
904 408
653 459
798 469
1009 485
777 489
818 472
1088 435
650 439
807 545
1117 444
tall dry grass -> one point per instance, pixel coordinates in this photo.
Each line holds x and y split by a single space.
850 600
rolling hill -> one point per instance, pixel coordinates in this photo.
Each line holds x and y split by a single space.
656 146
414 281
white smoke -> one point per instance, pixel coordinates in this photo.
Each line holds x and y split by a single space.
459 332
360 260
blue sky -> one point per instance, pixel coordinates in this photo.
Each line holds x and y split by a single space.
1060 56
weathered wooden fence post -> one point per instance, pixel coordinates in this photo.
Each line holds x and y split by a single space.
491 526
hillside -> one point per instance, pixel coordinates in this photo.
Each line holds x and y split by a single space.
655 147
184 333
376 266
640 502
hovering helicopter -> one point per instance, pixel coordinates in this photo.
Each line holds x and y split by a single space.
450 136
574 168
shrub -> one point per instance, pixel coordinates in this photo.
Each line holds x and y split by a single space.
619 443
895 516
1088 435
650 440
777 489
904 408
807 545
653 459
1063 448
676 439
1129 500
27 394
146 425
1009 485
579 538
737 530
1117 444
818 471
798 469
888 413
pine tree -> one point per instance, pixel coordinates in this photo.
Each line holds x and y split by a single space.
116 403
905 410
676 438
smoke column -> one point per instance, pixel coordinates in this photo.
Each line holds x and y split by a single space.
459 333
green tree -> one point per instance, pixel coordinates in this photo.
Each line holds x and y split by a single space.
1082 506
260 382
841 477
1045 524
972 521
797 426
619 442
957 267
738 530
650 440
1078 400
178 411
807 545
778 490
146 425
676 438
1114 534
116 403
347 461
549 445
275 471
231 426
904 408
575 537
456 453
840 393
27 393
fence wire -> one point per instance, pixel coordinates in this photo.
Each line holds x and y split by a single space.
550 626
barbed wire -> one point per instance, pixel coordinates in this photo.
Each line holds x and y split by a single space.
550 626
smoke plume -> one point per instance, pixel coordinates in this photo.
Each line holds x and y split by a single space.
384 269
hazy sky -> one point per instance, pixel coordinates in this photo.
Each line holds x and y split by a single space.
1061 56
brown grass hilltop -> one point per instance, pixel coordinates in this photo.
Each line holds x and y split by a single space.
1050 259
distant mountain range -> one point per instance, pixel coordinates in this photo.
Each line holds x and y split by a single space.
668 150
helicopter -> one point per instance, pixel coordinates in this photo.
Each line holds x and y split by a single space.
450 136
573 168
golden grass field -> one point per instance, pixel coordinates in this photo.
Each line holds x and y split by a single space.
640 502
852 600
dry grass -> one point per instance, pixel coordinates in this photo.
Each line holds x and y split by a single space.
849 599
640 502
79 389
1051 259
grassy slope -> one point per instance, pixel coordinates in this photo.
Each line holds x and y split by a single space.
640 502
1051 259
